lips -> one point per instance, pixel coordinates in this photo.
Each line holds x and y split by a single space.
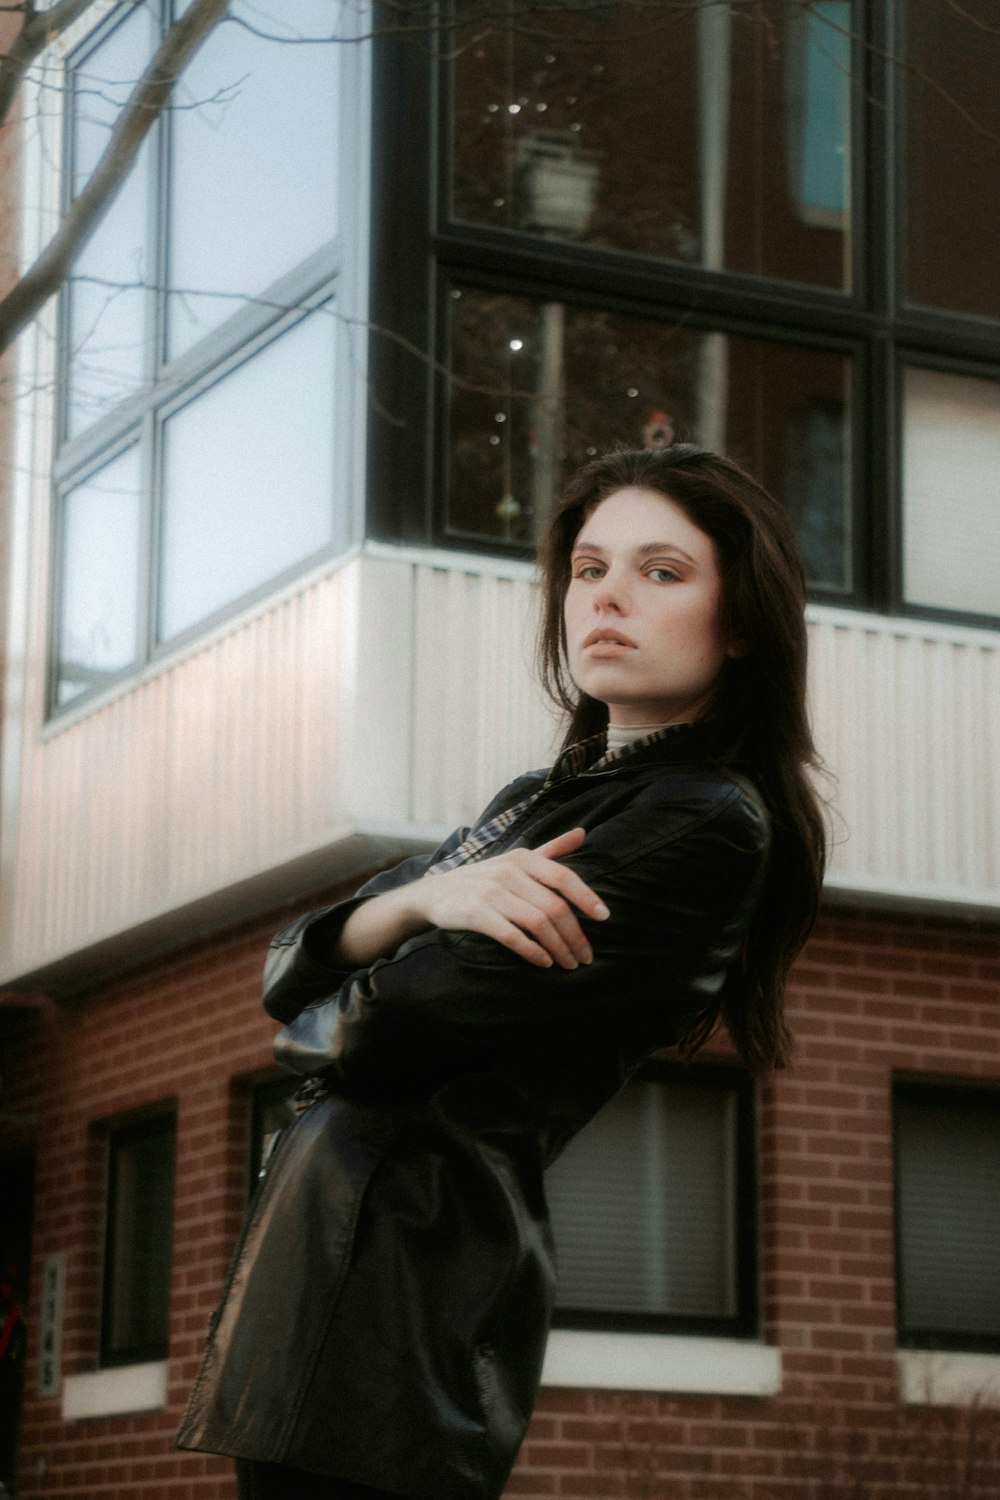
604 635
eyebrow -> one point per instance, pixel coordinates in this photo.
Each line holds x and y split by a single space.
646 550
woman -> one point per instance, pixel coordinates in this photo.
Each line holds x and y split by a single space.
465 1014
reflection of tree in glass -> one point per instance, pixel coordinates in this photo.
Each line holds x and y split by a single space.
617 376
516 431
815 488
580 77
685 130
620 372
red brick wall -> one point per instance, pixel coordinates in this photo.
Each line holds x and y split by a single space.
871 996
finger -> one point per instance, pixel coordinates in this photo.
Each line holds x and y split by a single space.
563 843
514 937
572 936
561 878
522 914
545 916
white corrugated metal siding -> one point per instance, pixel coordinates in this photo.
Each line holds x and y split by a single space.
395 693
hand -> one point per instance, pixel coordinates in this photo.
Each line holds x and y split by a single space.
523 899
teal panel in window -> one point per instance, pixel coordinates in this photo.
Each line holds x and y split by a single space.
820 126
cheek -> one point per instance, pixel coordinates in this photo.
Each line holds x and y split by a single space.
572 611
697 631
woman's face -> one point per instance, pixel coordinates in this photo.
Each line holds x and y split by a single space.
642 610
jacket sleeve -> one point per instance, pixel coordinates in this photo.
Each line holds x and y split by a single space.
680 890
294 976
298 971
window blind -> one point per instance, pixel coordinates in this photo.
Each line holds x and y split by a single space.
643 1205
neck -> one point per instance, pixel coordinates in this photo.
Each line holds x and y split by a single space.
624 734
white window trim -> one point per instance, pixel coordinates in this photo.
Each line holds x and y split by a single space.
661 1362
113 1393
931 1377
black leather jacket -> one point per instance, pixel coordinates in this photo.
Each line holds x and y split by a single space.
387 1310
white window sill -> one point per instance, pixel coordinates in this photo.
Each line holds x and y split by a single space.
936 1378
661 1362
112 1393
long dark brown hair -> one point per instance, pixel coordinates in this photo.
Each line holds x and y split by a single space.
757 718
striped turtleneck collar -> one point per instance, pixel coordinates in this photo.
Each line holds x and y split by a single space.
620 735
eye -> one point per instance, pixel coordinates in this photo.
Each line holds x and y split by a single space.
589 570
663 574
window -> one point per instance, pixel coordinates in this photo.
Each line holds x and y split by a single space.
271 1109
578 381
952 114
663 135
643 226
947 1142
653 1207
951 485
200 347
653 1204
817 113
138 1242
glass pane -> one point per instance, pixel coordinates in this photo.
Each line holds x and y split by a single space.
247 487
272 1108
951 492
949 1213
538 388
715 135
139 1241
953 130
254 150
643 1205
99 577
107 314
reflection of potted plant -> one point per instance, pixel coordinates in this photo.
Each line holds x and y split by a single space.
556 182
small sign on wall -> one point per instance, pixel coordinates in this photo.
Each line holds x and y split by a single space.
51 1324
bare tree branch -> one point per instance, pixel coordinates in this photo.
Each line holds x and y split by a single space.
34 36
964 14
139 113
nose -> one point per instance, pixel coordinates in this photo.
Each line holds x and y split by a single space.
611 594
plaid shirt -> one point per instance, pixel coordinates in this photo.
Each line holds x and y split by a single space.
585 756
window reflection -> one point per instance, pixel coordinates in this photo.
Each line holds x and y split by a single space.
817 125
253 181
99 594
247 485
537 388
644 1207
951 491
716 135
948 1216
106 321
139 1235
815 486
953 140
232 203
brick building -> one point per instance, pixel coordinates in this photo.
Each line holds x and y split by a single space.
356 312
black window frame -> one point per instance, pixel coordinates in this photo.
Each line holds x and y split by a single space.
417 251
953 1093
120 1135
745 1322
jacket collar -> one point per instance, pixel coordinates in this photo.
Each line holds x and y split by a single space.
592 758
